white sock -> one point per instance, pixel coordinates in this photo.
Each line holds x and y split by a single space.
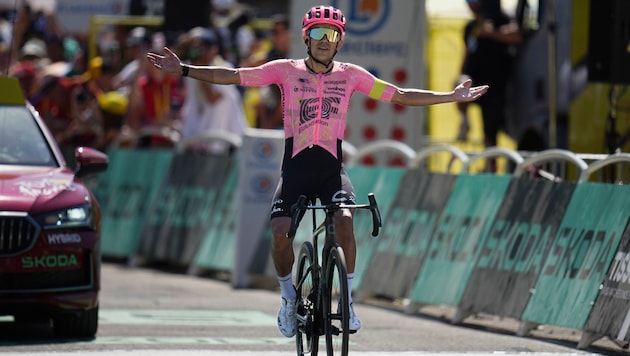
286 285
350 279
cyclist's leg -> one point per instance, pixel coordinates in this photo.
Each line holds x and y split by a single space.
339 189
283 259
282 247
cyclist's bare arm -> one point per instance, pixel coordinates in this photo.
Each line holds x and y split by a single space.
170 63
463 92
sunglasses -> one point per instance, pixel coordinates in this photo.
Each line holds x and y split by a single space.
318 34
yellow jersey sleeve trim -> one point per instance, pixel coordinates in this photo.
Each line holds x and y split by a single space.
378 89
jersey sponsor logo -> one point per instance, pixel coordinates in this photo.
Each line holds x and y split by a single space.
309 108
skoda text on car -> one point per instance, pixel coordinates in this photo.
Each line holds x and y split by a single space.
49 224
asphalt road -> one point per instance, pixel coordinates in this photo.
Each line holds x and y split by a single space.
152 311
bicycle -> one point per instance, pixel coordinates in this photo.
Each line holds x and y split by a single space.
322 289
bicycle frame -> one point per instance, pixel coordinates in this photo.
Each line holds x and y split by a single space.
315 317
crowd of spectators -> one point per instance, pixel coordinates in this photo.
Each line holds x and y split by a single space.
116 99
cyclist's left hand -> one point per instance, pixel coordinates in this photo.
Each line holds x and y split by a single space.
465 92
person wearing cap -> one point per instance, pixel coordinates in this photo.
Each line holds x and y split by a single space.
210 107
316 93
154 104
136 45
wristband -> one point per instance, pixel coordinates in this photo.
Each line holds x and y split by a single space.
185 70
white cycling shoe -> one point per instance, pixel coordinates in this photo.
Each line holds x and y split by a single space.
287 322
354 322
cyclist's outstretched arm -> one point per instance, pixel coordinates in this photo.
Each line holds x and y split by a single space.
463 92
170 63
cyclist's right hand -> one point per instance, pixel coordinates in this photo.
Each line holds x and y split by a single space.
168 63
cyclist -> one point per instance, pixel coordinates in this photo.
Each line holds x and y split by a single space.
316 93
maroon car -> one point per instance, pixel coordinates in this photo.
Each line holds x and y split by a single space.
49 224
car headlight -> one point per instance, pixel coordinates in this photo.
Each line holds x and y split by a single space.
78 216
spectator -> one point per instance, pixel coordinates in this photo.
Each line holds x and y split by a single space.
268 106
155 98
232 21
208 107
113 106
490 40
137 44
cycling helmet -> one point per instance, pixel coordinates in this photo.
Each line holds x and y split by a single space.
329 15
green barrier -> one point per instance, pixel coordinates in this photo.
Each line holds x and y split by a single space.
459 232
407 231
580 255
217 248
384 183
181 212
125 193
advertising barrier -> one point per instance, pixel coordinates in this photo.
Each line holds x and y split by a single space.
407 231
458 237
515 248
184 207
584 246
126 191
522 246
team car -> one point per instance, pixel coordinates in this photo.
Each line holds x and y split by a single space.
50 221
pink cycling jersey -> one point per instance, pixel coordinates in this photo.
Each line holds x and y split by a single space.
315 105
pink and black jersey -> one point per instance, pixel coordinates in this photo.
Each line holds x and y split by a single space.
315 105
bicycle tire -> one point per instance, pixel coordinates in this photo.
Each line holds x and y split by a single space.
336 304
308 325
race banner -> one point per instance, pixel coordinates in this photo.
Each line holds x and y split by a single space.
183 209
610 315
126 191
457 238
217 248
384 182
401 249
582 251
515 247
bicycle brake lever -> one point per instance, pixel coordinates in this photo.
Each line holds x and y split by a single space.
377 222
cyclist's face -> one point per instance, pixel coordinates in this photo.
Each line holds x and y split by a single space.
324 41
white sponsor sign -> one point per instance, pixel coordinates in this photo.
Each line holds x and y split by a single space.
259 171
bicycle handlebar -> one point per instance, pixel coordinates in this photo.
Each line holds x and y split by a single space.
301 206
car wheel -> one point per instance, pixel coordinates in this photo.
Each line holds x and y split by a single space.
81 324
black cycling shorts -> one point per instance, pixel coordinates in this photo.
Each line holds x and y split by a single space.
315 173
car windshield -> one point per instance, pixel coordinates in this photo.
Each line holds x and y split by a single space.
21 140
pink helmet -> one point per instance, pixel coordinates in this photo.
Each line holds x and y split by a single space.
329 15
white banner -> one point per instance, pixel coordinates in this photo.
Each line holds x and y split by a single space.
259 171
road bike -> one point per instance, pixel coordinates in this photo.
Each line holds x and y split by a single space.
323 305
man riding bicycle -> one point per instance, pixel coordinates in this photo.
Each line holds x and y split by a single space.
316 93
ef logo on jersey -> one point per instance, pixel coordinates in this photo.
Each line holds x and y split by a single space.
309 108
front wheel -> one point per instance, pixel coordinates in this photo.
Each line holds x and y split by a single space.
307 336
336 304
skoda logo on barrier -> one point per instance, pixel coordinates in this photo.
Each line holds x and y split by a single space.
364 16
261 183
263 149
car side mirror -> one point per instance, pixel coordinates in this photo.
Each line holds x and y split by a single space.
90 161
